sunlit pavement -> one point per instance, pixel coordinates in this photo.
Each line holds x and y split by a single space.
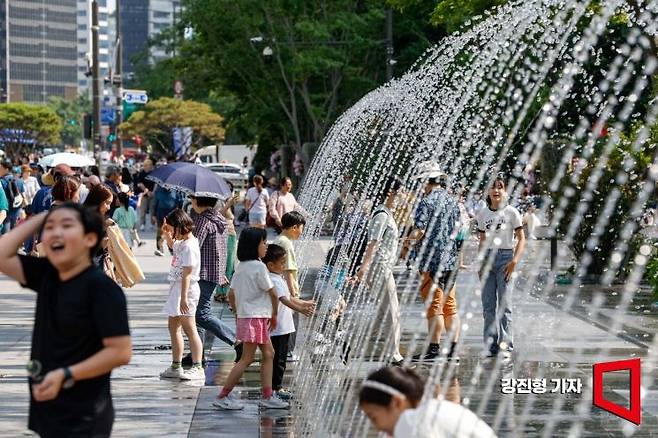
550 343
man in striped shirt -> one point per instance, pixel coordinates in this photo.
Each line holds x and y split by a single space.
210 230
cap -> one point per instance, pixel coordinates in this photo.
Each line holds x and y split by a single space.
61 169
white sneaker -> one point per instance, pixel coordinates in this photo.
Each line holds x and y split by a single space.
292 357
158 253
141 227
228 403
273 402
194 373
172 373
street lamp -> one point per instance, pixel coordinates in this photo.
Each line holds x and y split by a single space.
268 52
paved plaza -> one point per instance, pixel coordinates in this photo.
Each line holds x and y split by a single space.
550 344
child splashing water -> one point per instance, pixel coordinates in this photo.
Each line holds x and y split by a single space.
184 294
255 303
392 397
275 260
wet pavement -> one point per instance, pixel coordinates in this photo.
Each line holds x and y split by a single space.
550 344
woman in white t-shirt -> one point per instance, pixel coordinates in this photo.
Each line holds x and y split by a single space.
255 202
31 184
391 398
500 228
184 295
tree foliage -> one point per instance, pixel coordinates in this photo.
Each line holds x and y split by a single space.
451 15
25 126
71 113
325 57
156 122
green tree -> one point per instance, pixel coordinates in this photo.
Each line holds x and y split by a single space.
450 15
156 122
71 112
25 126
324 57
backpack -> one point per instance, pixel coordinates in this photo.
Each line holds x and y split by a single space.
360 242
14 197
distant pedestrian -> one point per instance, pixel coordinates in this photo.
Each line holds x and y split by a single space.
282 201
528 208
255 303
166 201
184 294
256 202
31 184
145 188
126 218
231 244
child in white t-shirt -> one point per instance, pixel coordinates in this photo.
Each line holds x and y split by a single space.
275 259
255 303
500 228
184 294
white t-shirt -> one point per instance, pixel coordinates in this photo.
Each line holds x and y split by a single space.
250 283
441 419
258 200
285 324
383 229
499 226
186 254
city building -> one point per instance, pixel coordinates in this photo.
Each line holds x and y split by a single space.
105 42
142 20
39 54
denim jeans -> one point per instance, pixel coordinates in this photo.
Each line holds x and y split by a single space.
497 303
205 320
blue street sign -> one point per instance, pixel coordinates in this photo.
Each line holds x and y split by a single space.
108 116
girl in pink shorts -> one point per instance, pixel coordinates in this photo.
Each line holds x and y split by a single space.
254 302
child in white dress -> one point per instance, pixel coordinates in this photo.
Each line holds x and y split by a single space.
184 294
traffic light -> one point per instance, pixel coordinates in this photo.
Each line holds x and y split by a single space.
87 123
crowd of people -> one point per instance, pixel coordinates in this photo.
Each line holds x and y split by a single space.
71 229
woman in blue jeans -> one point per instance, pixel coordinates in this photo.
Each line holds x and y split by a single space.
501 234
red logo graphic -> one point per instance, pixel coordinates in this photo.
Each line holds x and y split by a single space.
634 414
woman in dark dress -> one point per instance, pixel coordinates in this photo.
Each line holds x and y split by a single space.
81 328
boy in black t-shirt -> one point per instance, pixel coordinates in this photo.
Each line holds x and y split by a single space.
81 327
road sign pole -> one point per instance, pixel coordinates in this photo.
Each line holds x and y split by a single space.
119 72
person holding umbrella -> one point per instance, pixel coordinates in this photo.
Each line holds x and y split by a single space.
210 230
204 188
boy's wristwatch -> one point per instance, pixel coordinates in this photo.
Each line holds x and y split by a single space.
69 381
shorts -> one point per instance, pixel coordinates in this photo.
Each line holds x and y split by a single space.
257 218
253 330
438 306
172 306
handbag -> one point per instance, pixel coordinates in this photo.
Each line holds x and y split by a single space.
127 271
269 220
